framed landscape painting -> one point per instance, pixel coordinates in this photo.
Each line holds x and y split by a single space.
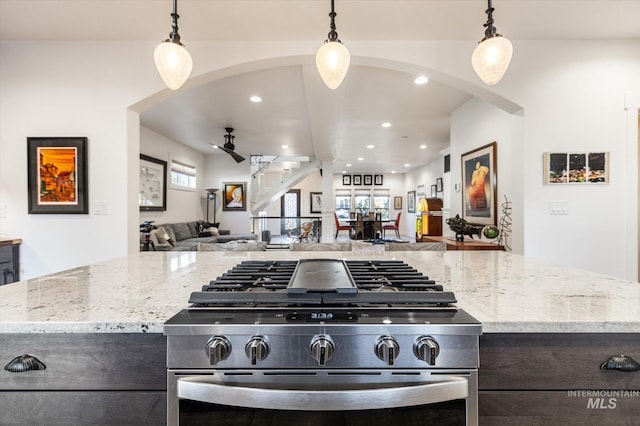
479 188
57 175
576 168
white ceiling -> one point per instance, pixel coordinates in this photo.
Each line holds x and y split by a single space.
297 110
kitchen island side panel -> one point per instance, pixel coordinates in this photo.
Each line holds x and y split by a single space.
102 378
555 378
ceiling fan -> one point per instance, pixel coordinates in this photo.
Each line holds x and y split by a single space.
229 147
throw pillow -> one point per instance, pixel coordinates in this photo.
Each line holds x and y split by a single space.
214 232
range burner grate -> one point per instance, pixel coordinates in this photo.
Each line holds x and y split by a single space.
377 283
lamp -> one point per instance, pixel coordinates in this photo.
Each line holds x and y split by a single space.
172 59
211 195
332 58
492 56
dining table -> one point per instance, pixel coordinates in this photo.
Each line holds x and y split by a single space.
368 226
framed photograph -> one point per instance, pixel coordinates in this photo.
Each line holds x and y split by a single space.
153 184
57 175
479 185
576 168
439 185
346 179
357 179
377 179
397 203
315 202
434 191
411 201
367 179
234 196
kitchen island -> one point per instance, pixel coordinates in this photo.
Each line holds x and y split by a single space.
98 329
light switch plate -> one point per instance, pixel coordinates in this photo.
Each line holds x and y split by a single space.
558 207
100 207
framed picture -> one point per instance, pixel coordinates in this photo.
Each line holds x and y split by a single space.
397 203
153 184
346 179
315 202
434 191
57 175
479 185
411 201
234 196
367 179
377 179
576 168
357 179
439 185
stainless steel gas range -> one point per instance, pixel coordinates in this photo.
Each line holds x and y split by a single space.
321 341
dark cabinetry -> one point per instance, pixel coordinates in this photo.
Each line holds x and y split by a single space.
555 379
9 261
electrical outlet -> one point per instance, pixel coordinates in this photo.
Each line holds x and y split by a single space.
100 208
559 207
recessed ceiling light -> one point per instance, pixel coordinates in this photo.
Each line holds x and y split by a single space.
407 165
370 146
214 146
344 171
255 99
360 159
349 165
386 124
421 79
285 146
393 171
423 146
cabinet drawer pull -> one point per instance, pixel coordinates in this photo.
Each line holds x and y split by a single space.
621 363
24 363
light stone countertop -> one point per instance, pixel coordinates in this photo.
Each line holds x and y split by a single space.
138 293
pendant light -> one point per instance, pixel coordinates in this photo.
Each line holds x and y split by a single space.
332 59
172 59
492 56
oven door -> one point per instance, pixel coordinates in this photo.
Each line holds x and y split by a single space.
322 397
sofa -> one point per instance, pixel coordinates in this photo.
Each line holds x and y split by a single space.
186 236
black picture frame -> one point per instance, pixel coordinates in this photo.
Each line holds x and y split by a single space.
367 180
346 179
434 191
315 202
439 185
57 175
377 179
234 196
357 179
411 201
152 195
397 203
479 185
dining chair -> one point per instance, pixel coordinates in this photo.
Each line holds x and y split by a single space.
394 227
340 227
358 231
377 225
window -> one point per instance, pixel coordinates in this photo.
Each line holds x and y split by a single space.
362 201
343 204
183 176
381 205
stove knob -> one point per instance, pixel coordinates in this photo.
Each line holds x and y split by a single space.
427 349
218 349
387 349
257 349
322 348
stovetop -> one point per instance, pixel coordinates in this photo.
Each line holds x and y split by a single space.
365 284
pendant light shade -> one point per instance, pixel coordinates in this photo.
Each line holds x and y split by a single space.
332 58
172 59
332 61
492 56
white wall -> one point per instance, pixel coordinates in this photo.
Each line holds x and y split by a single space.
478 123
425 175
182 205
571 92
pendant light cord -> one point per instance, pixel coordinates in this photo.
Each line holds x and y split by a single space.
490 29
333 35
173 35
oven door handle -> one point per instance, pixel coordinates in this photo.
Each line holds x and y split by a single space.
202 389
